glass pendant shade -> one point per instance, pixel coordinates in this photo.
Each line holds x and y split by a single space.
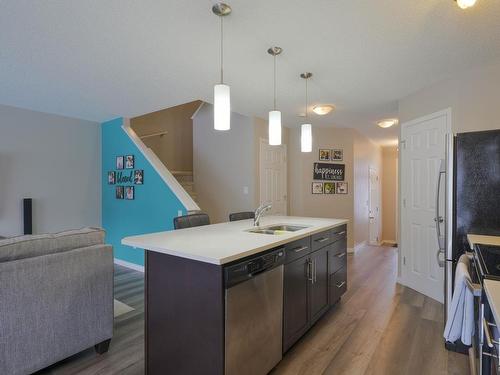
274 128
306 138
222 107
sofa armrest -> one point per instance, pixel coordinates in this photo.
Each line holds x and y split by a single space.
54 306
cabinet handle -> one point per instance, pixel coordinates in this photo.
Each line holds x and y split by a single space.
341 255
300 248
309 271
322 239
340 285
340 233
487 334
315 273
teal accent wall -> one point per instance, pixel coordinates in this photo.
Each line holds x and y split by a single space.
154 206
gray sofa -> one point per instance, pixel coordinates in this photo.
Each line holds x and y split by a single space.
56 298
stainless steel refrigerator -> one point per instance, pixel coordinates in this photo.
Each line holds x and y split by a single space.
467 200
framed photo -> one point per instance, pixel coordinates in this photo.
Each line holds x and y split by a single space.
337 155
139 177
129 162
119 162
129 193
329 187
325 155
342 188
111 178
317 188
119 192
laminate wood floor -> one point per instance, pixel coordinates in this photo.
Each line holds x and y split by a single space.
379 327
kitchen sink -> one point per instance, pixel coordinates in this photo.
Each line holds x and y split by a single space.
277 229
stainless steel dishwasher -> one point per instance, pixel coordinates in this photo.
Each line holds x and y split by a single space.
254 314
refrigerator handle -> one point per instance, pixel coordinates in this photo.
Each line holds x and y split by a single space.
438 219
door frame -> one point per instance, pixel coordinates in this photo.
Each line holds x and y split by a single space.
265 141
379 191
402 248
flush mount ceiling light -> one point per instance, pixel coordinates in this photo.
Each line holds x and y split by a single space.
306 128
464 4
323 109
222 95
387 123
274 115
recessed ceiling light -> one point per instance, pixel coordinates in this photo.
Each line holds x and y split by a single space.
387 123
323 109
464 4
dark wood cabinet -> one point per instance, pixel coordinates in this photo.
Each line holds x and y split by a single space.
319 284
295 301
338 285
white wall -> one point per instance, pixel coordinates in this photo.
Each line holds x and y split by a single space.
472 95
56 161
223 165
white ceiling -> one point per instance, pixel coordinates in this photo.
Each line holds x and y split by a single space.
97 59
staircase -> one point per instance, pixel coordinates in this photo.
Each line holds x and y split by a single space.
185 178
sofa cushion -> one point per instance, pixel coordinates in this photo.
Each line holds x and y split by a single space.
42 244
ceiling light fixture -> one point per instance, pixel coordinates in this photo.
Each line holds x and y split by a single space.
274 115
464 4
222 92
323 109
387 123
306 128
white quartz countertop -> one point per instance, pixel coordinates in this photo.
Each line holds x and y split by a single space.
492 289
480 239
226 242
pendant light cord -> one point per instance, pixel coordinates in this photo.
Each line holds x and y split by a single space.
221 50
306 96
274 82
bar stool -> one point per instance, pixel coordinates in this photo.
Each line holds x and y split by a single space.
241 215
191 220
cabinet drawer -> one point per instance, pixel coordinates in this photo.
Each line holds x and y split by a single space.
339 246
338 233
338 285
338 257
321 239
297 249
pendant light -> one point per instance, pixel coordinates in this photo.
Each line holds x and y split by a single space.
222 96
306 128
274 115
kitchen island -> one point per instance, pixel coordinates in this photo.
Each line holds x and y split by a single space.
188 289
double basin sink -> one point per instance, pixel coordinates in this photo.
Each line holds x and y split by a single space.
277 229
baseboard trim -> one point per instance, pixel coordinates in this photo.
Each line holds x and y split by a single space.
350 250
389 242
132 266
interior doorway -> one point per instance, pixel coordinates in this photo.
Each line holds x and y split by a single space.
422 147
273 177
374 207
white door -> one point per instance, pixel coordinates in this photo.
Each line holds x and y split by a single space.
422 147
273 187
374 207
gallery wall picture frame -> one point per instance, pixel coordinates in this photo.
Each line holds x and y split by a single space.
139 177
328 172
111 177
325 154
129 193
129 162
329 187
119 162
342 188
317 188
337 155
119 192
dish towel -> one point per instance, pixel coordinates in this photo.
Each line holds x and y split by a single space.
460 324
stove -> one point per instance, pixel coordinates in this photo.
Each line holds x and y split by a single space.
488 262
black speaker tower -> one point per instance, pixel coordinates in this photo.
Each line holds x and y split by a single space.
28 215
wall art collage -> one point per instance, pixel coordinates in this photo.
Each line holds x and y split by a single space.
126 177
331 175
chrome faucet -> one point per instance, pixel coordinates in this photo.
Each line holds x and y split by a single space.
259 212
